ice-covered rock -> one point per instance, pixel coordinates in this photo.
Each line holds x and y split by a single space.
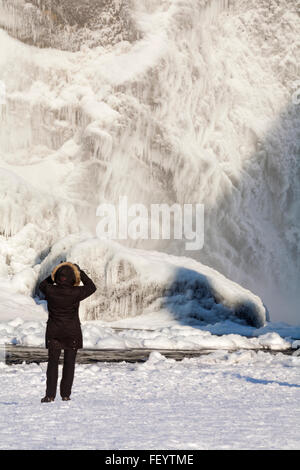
67 24
131 282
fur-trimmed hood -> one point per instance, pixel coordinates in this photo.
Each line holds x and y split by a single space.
70 265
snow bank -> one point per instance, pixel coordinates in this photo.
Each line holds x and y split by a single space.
98 335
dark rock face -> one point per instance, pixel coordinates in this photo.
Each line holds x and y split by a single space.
68 24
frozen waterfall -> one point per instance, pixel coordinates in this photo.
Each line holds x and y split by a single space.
170 101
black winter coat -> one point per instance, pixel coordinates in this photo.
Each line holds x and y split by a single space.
63 295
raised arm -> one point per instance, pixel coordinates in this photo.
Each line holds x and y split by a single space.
88 287
45 283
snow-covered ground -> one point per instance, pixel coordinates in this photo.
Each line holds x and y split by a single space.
242 400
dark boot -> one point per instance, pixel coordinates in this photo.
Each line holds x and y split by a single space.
47 399
66 398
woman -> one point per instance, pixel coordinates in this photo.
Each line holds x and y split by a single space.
63 294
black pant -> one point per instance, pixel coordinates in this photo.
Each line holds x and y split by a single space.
67 374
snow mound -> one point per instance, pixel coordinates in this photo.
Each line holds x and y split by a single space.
131 282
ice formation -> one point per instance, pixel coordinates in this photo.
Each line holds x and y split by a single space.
193 105
131 282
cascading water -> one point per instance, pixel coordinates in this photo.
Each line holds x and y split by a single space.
161 101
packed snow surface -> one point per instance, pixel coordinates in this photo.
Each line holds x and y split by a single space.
242 400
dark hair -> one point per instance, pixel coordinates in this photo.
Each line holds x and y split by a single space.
65 275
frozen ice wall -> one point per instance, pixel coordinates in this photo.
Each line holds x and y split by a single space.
170 101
